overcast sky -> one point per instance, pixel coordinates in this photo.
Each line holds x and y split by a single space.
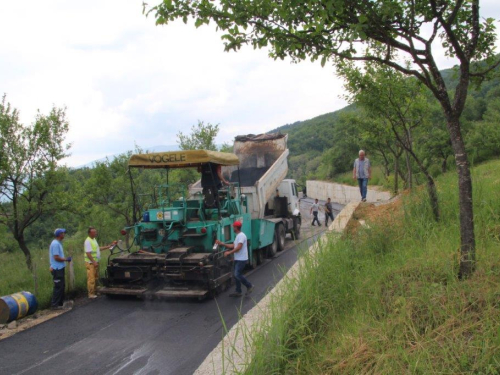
126 81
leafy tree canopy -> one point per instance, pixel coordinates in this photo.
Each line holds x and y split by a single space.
202 137
352 30
30 182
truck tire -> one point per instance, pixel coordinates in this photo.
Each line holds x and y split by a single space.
272 248
296 228
280 235
254 262
260 256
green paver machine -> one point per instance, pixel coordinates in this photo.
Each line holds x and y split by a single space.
176 236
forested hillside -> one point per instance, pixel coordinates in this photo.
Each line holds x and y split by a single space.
309 139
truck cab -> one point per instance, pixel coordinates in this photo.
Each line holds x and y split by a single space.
288 189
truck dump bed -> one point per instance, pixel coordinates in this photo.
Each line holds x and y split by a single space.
263 165
257 153
248 176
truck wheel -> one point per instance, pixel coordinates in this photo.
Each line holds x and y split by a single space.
280 234
296 228
273 248
254 261
260 256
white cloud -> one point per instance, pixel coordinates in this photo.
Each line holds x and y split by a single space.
125 80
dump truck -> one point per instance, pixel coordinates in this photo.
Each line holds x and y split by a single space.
175 254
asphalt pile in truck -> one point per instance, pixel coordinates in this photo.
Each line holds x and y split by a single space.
248 176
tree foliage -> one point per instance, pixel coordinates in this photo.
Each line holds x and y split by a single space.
202 137
30 182
400 104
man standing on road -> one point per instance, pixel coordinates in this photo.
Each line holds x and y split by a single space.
57 266
240 251
92 256
328 211
314 211
362 171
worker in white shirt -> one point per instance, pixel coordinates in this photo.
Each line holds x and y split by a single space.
314 211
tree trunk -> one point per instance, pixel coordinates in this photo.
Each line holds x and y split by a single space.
24 248
408 167
467 238
396 174
387 170
431 189
402 175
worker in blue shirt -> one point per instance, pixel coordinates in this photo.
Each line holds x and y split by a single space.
57 266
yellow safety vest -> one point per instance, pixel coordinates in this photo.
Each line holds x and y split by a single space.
95 247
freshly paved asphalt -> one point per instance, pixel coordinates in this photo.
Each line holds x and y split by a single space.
131 336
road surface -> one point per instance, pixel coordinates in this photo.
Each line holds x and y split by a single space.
131 336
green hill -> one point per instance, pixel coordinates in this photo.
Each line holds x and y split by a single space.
314 134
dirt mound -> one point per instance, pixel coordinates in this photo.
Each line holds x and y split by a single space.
366 213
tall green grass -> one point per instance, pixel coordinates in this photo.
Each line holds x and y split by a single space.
387 300
15 276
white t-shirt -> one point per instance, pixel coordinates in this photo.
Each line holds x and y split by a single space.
315 207
243 253
88 248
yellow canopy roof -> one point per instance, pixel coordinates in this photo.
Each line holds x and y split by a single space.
182 159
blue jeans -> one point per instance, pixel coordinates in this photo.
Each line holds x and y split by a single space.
315 218
363 187
328 215
239 266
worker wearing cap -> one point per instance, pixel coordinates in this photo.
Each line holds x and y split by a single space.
57 267
240 250
92 257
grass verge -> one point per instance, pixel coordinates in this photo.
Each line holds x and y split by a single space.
385 299
15 276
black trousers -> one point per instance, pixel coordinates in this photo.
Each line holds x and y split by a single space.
328 215
315 219
59 287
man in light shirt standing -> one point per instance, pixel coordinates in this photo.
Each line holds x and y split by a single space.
57 266
314 211
92 256
362 171
240 250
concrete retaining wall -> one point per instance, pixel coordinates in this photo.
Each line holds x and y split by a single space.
343 194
